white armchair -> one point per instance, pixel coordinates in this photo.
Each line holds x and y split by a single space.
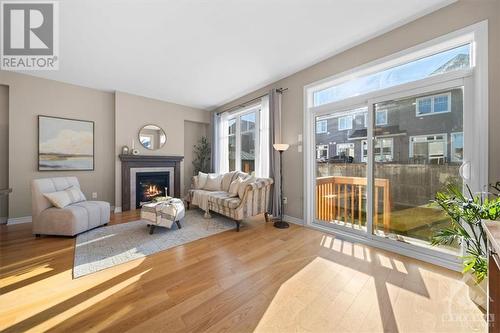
67 221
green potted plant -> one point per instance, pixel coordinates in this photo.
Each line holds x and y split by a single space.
466 213
201 152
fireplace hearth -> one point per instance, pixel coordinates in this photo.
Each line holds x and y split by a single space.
150 185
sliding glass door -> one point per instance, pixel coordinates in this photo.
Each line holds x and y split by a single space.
418 147
378 166
381 140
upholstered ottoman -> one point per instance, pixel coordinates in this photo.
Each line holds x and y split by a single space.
163 214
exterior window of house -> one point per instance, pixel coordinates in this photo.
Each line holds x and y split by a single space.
457 146
345 123
381 117
322 152
430 105
365 119
345 149
321 126
383 149
428 148
446 61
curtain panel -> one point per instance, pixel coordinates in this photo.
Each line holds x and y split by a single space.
275 137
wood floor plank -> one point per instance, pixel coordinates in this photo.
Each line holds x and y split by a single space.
261 279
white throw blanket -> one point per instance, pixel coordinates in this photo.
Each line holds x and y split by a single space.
200 199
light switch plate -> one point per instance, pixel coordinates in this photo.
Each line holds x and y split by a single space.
299 148
300 137
94 195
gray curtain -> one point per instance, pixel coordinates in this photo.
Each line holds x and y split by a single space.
274 162
215 142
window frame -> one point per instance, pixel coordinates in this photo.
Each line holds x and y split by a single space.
452 149
364 159
445 144
386 117
237 116
350 122
325 129
324 147
433 100
350 144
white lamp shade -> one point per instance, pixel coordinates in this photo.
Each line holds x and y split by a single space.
281 146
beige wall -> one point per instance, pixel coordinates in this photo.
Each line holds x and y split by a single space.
193 132
445 20
30 97
132 112
4 150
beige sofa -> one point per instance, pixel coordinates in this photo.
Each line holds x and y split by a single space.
254 200
67 221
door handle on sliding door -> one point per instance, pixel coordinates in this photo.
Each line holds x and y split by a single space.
464 170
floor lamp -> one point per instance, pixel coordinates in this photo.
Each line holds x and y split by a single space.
279 223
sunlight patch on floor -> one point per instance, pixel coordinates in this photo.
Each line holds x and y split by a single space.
372 292
89 302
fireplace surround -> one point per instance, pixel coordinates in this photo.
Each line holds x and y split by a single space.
140 164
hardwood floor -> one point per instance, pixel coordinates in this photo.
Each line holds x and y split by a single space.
261 279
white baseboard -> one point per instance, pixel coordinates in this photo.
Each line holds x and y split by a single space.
118 209
293 220
19 220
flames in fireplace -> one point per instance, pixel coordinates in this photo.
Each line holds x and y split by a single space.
152 191
151 185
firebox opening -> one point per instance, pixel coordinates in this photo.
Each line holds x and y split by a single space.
150 185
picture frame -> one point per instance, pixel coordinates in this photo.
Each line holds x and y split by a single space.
65 144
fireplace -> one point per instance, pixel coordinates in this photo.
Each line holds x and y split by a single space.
131 165
150 185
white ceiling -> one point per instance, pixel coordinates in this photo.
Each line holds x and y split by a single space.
203 53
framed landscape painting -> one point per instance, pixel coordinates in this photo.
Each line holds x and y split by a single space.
65 144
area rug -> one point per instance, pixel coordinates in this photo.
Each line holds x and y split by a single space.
112 245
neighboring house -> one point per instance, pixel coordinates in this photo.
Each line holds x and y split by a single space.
420 130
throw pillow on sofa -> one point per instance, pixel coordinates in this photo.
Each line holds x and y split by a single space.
202 180
213 182
243 185
234 186
64 198
227 179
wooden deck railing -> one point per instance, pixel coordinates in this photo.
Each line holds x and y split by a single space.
340 198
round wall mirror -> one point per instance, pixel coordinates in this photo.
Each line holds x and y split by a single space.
152 137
